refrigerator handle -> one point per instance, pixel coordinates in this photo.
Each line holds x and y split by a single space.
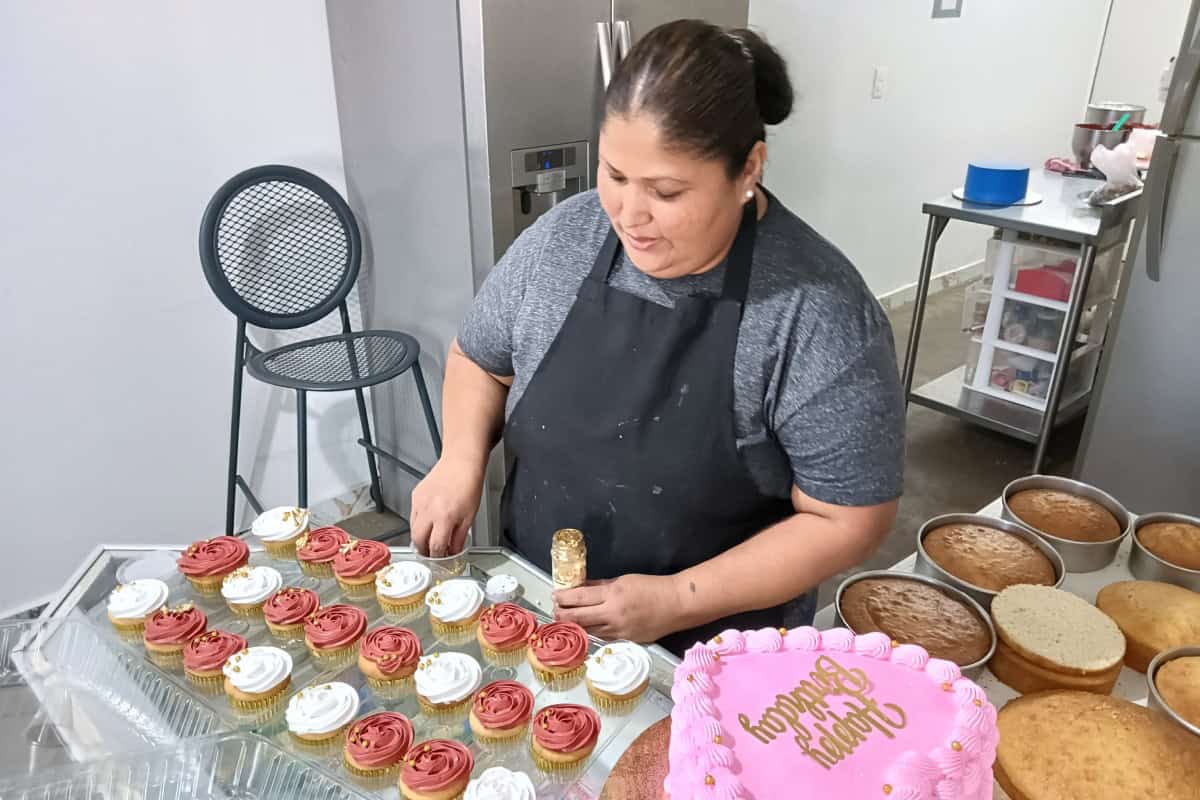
624 39
1158 193
1185 79
604 39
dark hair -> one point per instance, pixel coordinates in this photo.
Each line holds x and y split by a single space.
712 91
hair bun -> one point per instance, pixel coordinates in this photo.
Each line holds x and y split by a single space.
772 87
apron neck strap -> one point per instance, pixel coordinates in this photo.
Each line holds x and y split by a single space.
737 263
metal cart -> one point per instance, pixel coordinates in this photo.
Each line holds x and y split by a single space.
1064 218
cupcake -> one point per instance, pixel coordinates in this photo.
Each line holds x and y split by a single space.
206 654
169 629
501 711
315 550
454 607
130 603
557 651
438 769
446 682
357 562
618 674
500 783
255 678
287 609
247 588
332 632
400 587
564 736
279 529
388 657
318 715
206 564
376 744
504 630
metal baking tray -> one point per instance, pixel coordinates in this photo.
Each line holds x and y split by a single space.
1149 567
1154 699
1077 556
232 765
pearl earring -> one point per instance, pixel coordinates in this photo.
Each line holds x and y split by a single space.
749 194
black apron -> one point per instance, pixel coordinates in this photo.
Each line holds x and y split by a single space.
626 431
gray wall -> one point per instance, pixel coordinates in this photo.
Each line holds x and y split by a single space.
399 96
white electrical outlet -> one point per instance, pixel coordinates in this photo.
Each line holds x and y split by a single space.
879 84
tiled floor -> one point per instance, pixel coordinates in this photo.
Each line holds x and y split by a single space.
951 465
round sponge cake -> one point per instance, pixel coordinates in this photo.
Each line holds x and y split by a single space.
1064 515
987 557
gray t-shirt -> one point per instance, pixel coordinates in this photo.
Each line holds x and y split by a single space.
817 399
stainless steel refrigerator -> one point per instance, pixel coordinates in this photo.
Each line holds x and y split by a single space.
461 123
1142 437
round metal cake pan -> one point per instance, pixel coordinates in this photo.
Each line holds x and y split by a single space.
1076 556
1149 567
927 566
972 670
1154 699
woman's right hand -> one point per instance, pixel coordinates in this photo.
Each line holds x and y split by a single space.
444 504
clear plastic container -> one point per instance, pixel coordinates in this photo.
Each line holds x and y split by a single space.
1047 270
103 699
235 765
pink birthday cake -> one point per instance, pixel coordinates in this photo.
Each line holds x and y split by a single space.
773 714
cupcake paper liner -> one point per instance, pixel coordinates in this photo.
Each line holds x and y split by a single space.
130 631
249 611
209 585
393 688
285 551
561 768
376 778
314 570
560 681
206 684
358 591
261 704
446 712
407 610
167 661
326 745
287 633
502 740
502 658
611 705
335 657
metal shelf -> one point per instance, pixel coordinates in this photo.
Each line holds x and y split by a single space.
1033 352
948 395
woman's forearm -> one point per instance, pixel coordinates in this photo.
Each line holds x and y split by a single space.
781 562
472 410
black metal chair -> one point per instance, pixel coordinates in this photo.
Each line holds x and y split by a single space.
281 249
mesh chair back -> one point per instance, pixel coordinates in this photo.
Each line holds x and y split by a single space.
279 246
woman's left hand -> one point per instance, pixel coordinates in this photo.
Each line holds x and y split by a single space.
640 608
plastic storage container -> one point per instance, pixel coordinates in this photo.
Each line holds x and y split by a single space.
233 765
1043 272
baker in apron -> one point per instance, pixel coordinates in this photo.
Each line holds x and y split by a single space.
679 367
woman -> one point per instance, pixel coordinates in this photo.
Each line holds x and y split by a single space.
679 367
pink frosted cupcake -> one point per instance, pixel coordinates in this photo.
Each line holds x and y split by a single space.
315 550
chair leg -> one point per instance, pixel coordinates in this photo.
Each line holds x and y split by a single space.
372 467
235 420
302 447
430 419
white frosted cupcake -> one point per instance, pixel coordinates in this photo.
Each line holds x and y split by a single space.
454 607
256 677
446 682
320 714
500 783
130 604
617 675
401 587
247 588
279 528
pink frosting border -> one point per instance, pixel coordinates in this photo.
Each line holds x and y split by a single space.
942 774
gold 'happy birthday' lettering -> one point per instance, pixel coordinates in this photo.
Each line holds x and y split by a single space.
829 735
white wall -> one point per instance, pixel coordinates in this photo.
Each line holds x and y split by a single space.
1006 80
120 120
1142 37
